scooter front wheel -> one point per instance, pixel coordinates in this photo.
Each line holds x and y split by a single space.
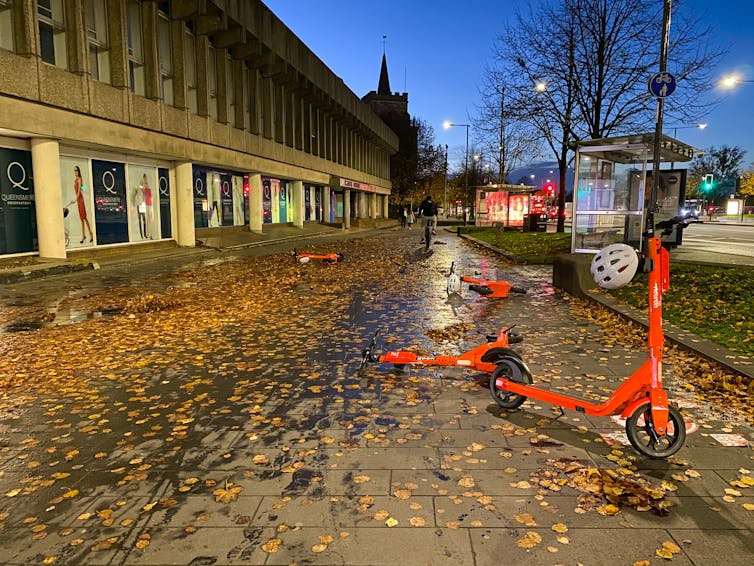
503 398
642 436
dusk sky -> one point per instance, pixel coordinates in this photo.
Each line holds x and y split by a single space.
437 51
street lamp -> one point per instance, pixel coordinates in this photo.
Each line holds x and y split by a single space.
449 124
730 81
675 133
445 190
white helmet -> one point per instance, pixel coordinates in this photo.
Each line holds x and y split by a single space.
614 266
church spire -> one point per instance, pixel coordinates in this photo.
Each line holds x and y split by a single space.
384 86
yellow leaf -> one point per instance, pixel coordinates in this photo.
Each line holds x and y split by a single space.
71 494
272 545
664 553
417 521
149 506
228 494
608 509
142 543
402 493
671 546
391 522
529 540
559 528
749 506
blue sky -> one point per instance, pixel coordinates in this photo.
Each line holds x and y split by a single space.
437 51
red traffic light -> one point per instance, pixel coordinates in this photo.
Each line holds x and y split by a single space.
549 189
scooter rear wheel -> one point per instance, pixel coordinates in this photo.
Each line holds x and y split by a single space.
503 398
642 436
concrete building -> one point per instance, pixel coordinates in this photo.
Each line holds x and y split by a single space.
125 121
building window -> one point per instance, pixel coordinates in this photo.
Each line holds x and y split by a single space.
189 44
212 81
166 58
52 32
6 25
230 90
96 32
135 48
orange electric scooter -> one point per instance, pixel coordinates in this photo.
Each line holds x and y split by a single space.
655 428
491 289
305 257
481 358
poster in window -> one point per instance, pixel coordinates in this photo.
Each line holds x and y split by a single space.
200 197
18 227
163 186
110 208
143 213
266 200
213 199
226 199
238 201
318 203
307 202
78 202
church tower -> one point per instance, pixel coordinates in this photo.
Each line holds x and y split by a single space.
393 109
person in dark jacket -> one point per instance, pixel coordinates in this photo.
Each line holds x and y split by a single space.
428 212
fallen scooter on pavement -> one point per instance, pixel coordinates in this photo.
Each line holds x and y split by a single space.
490 289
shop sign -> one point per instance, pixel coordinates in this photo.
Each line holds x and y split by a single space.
18 230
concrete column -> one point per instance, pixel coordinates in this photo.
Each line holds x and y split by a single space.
326 201
256 218
184 205
385 205
373 206
347 209
48 197
297 201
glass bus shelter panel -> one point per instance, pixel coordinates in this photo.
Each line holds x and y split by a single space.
593 232
607 185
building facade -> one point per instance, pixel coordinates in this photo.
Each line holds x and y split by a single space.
125 121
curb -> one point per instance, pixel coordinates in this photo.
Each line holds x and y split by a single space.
32 273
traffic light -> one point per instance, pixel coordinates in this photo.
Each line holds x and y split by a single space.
549 189
708 179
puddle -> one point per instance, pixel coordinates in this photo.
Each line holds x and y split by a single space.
60 319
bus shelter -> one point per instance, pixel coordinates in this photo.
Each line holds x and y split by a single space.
504 204
612 187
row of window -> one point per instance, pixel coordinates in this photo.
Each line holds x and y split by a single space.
53 31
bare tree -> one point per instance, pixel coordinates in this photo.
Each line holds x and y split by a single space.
592 68
507 140
540 71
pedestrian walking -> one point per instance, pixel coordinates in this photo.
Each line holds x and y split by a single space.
404 216
410 218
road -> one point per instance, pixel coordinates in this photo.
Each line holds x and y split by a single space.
720 238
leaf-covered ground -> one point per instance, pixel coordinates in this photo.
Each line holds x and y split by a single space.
217 416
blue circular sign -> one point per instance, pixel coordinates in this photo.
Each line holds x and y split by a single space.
662 85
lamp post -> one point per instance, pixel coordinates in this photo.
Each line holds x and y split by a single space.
447 125
675 132
445 190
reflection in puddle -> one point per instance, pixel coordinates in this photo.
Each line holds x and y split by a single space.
57 318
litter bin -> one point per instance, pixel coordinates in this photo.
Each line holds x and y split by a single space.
535 223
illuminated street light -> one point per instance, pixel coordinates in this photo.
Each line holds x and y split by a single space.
540 87
448 124
730 81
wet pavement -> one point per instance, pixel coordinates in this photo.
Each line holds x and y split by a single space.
227 422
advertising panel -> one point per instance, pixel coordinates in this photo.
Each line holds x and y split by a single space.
18 228
238 201
226 199
200 197
78 202
213 199
163 183
144 218
267 200
110 203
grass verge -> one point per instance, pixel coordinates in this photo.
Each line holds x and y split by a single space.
531 247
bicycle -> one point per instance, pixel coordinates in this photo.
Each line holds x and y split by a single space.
429 224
